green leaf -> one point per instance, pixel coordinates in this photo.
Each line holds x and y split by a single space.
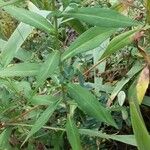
119 42
42 119
139 129
48 67
89 104
14 43
35 9
21 54
101 17
42 100
138 124
29 17
89 40
73 134
120 84
128 139
20 70
4 139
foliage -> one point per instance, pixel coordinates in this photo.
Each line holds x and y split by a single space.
74 74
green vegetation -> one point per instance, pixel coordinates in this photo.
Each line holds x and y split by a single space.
74 74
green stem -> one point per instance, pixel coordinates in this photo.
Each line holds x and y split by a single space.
55 22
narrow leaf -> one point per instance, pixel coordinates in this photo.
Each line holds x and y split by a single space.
29 17
14 43
20 70
42 100
101 17
21 54
89 40
138 124
48 67
89 104
139 129
72 134
128 139
42 119
119 42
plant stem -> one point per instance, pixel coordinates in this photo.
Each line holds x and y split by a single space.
58 48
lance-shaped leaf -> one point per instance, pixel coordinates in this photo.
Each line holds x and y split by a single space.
73 134
89 40
88 103
42 119
128 139
48 67
119 42
138 124
101 17
29 17
142 84
21 54
14 43
42 100
20 70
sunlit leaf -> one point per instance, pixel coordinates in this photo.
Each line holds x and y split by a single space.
21 54
35 9
119 42
89 40
14 43
29 17
101 17
89 104
20 70
72 134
